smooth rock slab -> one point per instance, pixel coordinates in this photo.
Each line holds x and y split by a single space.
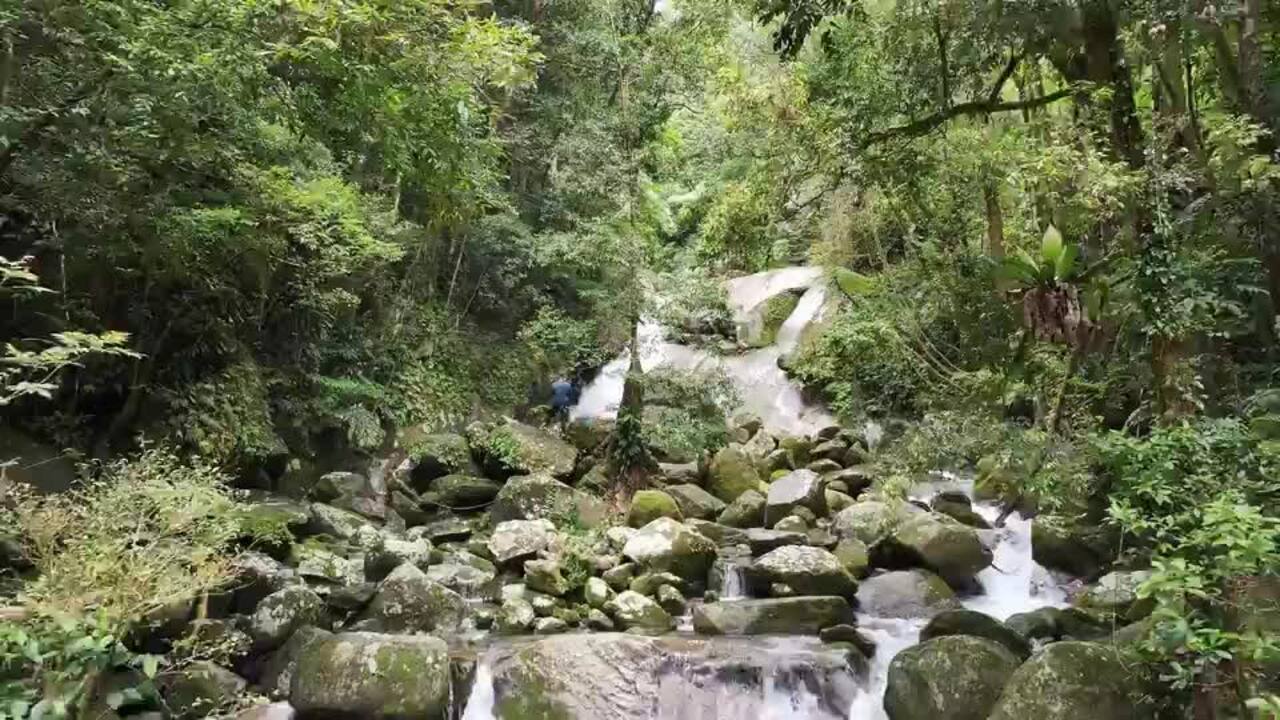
905 594
373 676
777 616
612 676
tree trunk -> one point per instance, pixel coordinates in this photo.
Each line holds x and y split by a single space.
995 219
1105 64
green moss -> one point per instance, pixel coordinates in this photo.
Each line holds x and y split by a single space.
776 311
531 700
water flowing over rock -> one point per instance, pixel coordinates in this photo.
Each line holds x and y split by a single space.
778 616
764 388
627 677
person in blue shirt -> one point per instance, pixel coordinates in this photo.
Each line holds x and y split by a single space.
563 396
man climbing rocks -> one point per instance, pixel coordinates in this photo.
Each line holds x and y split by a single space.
563 396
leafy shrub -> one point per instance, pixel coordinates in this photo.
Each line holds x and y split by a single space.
226 418
1200 497
49 668
561 343
684 413
146 533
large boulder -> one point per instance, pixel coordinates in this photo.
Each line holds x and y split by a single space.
332 521
854 479
279 667
200 689
958 677
732 473
777 616
798 488
541 497
518 540
373 677
409 601
905 594
970 622
514 448
281 613
614 676
462 491
950 549
1071 680
870 520
746 511
696 503
649 505
468 580
666 545
434 455
806 570
1116 593
1071 547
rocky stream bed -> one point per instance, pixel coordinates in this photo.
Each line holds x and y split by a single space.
474 575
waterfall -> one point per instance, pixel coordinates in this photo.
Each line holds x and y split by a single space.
764 389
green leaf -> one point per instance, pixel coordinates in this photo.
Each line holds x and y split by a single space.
1066 264
1266 427
853 283
1017 270
150 664
1051 246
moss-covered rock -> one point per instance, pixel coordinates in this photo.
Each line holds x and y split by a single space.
938 543
463 491
1071 680
853 555
542 497
970 622
649 505
514 448
202 689
775 616
373 676
746 511
806 570
694 502
409 601
799 488
544 576
434 455
957 677
666 545
1116 594
869 520
905 594
732 473
1070 547
633 611
283 612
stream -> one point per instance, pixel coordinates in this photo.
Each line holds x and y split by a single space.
782 677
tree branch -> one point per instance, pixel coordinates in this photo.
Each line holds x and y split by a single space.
1014 60
926 125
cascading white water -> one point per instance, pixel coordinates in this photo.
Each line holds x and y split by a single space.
763 388
1014 583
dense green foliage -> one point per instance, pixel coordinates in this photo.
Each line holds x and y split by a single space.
275 232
